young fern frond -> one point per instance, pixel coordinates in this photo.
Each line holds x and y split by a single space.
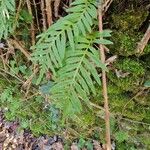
7 11
52 44
75 81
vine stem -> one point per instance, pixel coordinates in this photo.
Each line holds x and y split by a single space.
104 82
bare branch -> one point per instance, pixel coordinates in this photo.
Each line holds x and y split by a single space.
18 45
144 41
104 83
48 12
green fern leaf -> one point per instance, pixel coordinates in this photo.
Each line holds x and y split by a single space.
75 79
52 43
7 13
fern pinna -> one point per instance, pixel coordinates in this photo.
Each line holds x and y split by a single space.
67 49
7 13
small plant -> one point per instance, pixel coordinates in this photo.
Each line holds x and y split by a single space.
7 13
67 50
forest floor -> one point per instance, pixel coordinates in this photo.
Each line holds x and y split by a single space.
28 121
11 138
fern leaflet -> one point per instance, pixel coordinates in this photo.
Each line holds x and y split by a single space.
51 46
74 81
7 11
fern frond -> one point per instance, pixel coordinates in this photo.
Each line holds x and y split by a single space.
51 46
7 11
74 81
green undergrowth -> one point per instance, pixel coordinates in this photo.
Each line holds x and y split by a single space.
129 99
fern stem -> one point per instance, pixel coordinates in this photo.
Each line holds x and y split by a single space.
104 83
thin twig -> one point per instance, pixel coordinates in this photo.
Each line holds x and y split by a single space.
32 23
134 97
104 83
48 12
56 7
36 15
135 122
144 41
43 15
2 70
18 45
106 5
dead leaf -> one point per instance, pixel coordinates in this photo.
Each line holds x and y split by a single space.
74 147
57 146
121 74
97 145
111 59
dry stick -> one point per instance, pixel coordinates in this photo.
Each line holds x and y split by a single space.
144 41
43 15
32 23
106 5
104 84
18 45
48 12
56 7
36 15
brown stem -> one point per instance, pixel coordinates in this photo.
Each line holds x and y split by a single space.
48 12
144 41
104 83
43 15
18 45
32 23
36 15
56 7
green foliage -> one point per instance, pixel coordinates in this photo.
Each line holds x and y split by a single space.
134 70
7 12
121 136
25 16
51 47
83 143
129 20
74 80
66 49
27 112
147 83
125 43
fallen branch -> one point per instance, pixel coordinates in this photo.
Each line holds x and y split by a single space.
144 41
104 83
17 45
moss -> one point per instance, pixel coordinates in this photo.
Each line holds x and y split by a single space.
143 99
124 43
118 102
132 80
147 49
129 20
